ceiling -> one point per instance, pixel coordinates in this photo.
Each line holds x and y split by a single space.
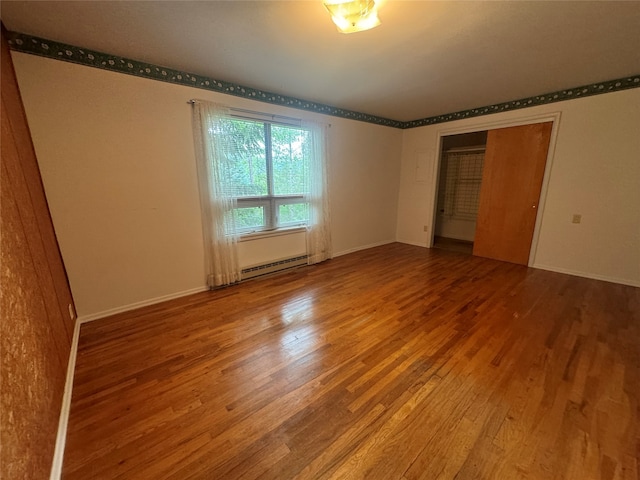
427 58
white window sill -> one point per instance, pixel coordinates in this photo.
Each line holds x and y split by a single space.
246 237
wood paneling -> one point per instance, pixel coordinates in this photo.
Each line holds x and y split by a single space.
396 362
36 327
512 176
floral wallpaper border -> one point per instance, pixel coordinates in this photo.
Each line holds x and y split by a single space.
569 94
69 53
47 48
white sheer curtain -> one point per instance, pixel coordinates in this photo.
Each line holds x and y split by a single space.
318 228
221 241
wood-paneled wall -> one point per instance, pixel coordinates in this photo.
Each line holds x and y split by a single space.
36 328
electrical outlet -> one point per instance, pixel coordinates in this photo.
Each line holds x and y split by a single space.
425 228
577 218
72 312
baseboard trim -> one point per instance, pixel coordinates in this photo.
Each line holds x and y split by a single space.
593 276
143 303
152 301
61 438
364 247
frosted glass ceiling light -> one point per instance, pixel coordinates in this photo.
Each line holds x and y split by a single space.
353 15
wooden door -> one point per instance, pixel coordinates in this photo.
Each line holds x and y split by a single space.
514 166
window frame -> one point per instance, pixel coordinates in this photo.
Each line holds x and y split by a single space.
270 202
462 188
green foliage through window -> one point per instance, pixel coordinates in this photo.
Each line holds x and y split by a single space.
293 213
249 218
266 169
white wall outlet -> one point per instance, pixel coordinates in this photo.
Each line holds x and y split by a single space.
72 312
577 218
425 228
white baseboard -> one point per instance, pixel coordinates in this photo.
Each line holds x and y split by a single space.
144 303
364 247
58 454
594 276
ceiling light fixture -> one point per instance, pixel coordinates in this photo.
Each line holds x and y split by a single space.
353 15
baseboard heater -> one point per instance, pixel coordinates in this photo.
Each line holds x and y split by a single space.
273 267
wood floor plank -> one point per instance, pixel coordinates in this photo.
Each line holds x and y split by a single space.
395 362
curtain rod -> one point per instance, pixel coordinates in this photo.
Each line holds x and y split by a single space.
252 112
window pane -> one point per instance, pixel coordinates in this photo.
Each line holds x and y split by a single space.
249 218
246 167
463 180
293 213
289 166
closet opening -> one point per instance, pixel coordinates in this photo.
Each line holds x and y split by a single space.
459 182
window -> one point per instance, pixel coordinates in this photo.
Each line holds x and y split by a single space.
266 171
463 180
257 174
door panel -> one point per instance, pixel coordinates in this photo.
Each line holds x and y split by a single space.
514 166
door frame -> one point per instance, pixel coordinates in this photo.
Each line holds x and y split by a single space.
553 117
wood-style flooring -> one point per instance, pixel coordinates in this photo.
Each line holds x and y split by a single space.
396 362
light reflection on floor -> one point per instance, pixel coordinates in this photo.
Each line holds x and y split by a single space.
297 309
299 334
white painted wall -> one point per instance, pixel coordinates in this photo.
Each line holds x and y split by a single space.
595 173
262 250
117 160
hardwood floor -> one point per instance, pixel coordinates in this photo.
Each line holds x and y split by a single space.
391 363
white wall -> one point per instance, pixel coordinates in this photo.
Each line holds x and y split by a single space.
264 249
117 161
595 173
